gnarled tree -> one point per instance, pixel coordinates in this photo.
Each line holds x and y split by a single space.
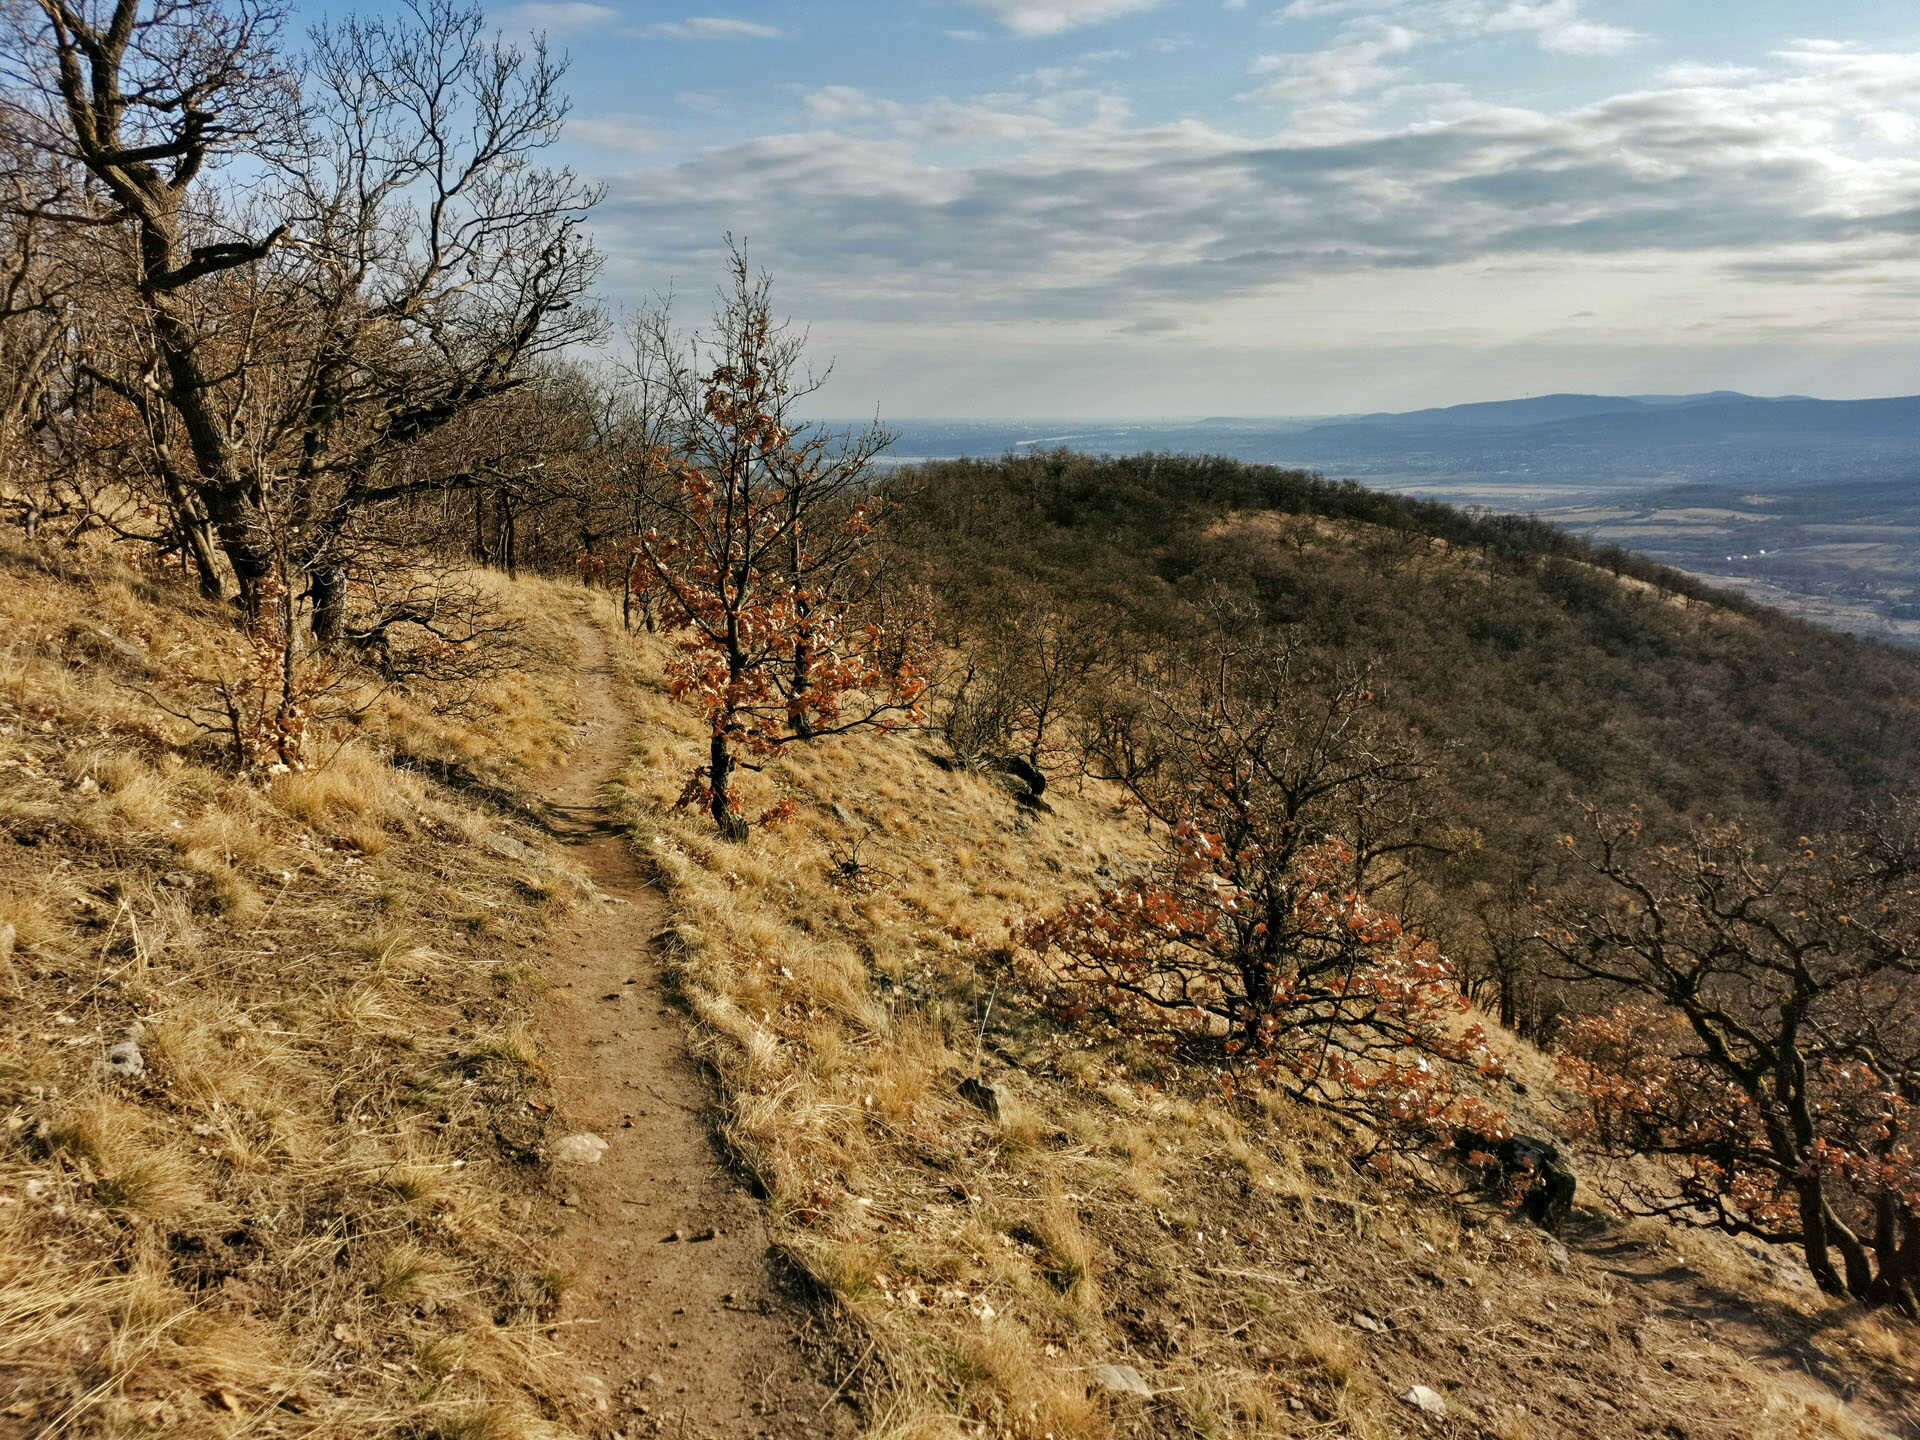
1765 1040
1253 943
149 97
396 258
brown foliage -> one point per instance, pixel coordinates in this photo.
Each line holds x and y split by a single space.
759 560
1254 941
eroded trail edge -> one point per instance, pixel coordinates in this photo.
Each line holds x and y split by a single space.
674 1311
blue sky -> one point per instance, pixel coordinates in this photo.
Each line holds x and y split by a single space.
1178 207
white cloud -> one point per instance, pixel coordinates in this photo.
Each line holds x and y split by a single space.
1554 25
1696 74
835 104
1584 37
1370 63
560 15
712 27
1355 63
615 132
1052 17
1068 210
1558 26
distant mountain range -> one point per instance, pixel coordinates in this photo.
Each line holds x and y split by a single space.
1542 409
1566 442
1631 421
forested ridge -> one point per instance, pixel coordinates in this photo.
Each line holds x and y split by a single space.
1546 668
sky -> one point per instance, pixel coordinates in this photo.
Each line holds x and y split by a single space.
1156 208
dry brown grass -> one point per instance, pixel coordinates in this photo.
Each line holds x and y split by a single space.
1113 1211
310 1216
305 1217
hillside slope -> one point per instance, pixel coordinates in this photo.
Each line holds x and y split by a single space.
1106 1208
1541 672
264 1065
322 1204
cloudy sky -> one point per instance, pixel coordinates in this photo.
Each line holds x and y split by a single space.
1106 208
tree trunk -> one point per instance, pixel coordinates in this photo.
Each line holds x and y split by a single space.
329 594
229 496
1824 1233
800 723
243 540
197 543
196 536
1853 1254
1904 1282
481 553
251 566
720 780
1814 1242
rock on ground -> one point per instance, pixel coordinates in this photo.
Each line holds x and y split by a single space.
1121 1380
581 1149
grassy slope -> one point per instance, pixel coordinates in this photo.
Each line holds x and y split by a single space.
1115 1212
309 1217
306 1217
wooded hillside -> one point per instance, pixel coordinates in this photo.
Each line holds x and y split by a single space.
1542 672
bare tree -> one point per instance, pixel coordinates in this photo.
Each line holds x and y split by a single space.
438 263
1028 675
36 290
322 279
149 97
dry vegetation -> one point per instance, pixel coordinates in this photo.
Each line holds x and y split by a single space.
1113 1211
272 1117
303 1211
272 1127
318 1210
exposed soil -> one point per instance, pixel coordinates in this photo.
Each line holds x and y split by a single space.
1788 1335
676 1309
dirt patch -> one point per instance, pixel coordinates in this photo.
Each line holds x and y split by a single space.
676 1312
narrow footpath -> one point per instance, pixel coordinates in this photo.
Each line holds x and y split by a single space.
675 1312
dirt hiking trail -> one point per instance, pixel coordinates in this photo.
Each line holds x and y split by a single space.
675 1312
1678 1303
